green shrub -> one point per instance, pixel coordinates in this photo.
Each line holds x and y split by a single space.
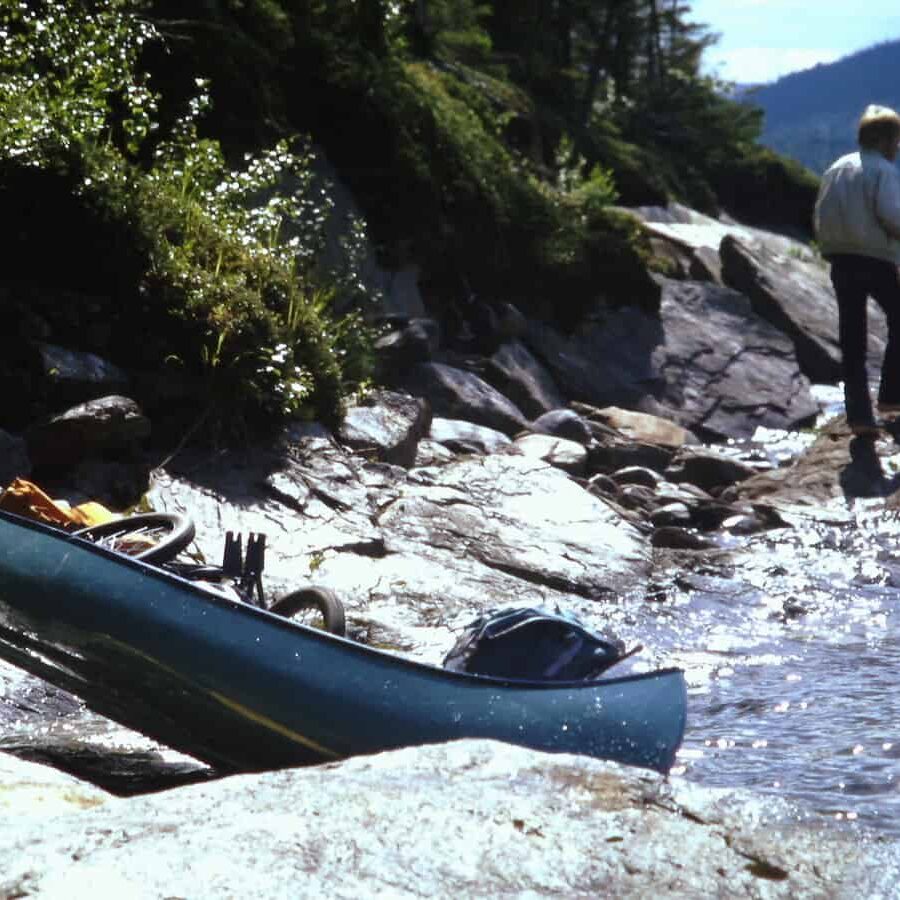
64 66
762 188
224 274
511 228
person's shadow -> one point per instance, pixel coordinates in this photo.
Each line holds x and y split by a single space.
863 475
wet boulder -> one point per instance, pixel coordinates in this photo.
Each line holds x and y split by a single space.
670 256
688 237
713 514
570 456
706 360
408 342
73 376
700 237
727 371
641 475
706 265
671 514
513 370
613 449
387 426
707 470
412 553
508 514
107 424
676 504
433 453
607 361
639 426
456 394
465 437
746 524
684 492
563 423
603 486
637 497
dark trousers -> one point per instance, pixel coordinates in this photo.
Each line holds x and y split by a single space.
855 279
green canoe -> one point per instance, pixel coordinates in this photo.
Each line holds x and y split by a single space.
244 689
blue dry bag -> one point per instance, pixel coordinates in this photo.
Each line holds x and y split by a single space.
532 644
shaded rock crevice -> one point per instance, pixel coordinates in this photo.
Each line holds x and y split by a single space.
562 585
374 549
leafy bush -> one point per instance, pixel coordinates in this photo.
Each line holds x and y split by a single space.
496 223
64 68
458 30
762 188
229 259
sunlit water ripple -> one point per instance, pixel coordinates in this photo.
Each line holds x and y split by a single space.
793 666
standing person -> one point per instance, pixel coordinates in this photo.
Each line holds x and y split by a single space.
857 224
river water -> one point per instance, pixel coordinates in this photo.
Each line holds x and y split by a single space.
792 656
793 667
791 647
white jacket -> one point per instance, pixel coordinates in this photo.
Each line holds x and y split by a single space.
858 207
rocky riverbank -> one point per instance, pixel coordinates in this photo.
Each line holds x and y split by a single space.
503 463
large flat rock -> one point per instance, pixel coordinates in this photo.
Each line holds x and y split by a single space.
468 819
414 554
726 370
793 291
787 282
34 793
707 360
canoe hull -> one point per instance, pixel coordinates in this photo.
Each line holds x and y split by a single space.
243 689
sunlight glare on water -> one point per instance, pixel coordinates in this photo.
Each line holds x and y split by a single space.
803 703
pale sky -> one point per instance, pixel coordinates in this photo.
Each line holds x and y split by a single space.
764 39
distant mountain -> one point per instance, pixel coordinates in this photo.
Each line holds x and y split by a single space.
811 116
